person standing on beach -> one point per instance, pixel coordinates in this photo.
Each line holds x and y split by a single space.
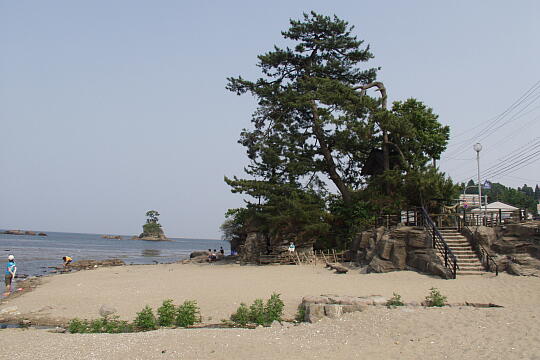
11 270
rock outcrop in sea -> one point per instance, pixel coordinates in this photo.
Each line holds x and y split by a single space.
23 232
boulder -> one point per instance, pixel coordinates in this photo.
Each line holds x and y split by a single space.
485 236
198 254
42 234
378 234
417 239
28 232
253 247
378 265
399 255
333 306
523 231
333 311
384 247
514 269
315 299
314 312
365 236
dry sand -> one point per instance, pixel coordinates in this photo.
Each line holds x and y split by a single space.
512 332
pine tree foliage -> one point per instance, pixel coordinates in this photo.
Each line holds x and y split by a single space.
314 130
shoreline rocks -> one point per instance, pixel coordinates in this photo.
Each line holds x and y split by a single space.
23 232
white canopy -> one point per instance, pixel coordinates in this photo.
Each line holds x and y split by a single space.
494 208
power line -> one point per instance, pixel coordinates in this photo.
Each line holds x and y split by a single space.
520 178
500 117
532 157
516 158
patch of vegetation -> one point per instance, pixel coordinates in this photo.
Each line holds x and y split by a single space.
259 313
146 319
111 325
241 316
77 326
435 298
184 315
274 308
166 313
188 314
394 301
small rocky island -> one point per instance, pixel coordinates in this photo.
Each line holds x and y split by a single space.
152 229
23 232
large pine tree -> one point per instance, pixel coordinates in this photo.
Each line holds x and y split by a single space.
316 125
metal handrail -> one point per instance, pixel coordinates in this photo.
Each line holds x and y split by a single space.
450 260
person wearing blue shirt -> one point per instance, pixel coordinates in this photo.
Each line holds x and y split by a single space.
11 269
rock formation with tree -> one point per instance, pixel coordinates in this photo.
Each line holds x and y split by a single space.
152 229
314 176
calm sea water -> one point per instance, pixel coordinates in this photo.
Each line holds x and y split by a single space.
35 254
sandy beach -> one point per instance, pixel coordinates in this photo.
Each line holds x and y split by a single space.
511 332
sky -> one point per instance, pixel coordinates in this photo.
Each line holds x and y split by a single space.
112 108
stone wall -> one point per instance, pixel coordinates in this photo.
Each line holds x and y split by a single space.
404 248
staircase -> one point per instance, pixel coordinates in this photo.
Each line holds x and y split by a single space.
467 260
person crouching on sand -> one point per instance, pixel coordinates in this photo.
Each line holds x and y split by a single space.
67 260
11 269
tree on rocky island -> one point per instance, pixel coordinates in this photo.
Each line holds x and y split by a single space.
152 229
316 128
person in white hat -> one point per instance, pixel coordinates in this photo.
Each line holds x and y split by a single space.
11 269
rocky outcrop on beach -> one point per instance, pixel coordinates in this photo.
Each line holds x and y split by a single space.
403 248
118 237
514 247
258 243
333 306
93 264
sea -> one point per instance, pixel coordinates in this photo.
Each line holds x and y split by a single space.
38 255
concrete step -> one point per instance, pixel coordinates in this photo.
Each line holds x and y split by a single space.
468 261
464 250
459 272
471 266
459 245
466 257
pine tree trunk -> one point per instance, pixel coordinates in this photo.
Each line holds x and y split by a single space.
329 160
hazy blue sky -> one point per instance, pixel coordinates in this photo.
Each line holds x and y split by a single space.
112 108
